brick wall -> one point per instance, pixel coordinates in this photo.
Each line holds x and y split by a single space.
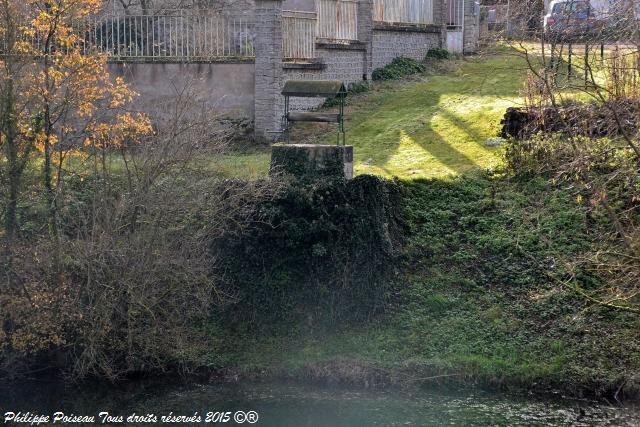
336 64
268 68
389 43
471 26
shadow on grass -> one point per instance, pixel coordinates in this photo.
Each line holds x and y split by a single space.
416 131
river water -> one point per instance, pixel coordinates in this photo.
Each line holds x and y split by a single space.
284 405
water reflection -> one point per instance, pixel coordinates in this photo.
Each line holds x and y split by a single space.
284 405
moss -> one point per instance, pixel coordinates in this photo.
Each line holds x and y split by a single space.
309 162
398 68
323 251
470 306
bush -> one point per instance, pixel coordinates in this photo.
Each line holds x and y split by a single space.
438 53
359 87
399 67
353 88
133 281
128 279
324 252
568 158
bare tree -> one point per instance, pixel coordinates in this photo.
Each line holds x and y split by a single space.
580 126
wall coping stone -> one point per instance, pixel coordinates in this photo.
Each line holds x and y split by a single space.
351 45
414 28
313 65
181 61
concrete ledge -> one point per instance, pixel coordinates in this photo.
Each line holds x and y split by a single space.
412 28
352 45
182 61
312 161
313 65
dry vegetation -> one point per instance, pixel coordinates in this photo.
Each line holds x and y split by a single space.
107 263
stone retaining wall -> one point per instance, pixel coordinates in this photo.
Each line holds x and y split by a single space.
390 42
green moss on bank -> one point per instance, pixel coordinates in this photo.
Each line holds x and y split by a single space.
477 303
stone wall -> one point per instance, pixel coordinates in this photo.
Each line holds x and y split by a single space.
391 41
224 87
471 26
253 88
335 62
268 80
377 45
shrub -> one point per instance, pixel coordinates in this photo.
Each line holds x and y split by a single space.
129 278
353 88
324 252
438 53
133 282
399 67
359 87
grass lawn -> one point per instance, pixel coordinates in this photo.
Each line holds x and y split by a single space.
437 126
433 125
475 308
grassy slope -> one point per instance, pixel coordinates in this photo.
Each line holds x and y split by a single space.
436 126
478 305
430 126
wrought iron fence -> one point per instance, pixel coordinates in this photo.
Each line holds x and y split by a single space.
180 37
298 35
455 14
337 19
403 11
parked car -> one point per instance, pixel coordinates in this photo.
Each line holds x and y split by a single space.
570 19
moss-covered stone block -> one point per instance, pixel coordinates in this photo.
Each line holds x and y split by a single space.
312 161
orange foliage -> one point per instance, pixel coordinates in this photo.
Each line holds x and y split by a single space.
64 99
58 75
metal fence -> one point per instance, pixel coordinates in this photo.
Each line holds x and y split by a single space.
181 37
337 20
403 11
298 35
455 14
495 16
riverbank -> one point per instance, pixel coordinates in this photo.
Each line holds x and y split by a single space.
479 300
461 273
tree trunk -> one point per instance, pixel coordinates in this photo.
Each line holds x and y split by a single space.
14 170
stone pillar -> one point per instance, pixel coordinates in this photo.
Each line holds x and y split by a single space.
471 26
365 35
268 48
312 161
440 19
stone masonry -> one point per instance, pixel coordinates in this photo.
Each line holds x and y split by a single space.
268 74
365 35
377 45
471 26
390 42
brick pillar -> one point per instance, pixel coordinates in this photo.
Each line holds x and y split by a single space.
440 18
365 35
268 75
471 26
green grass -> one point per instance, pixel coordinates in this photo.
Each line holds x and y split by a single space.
477 305
437 126
434 125
252 164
